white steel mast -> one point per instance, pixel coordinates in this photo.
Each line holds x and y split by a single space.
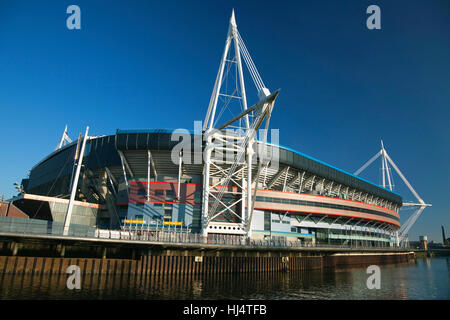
75 184
421 205
64 139
221 177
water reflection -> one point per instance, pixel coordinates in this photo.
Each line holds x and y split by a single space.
428 263
425 280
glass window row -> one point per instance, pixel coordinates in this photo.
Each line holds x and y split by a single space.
323 205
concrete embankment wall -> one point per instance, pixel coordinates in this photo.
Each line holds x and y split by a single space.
366 259
46 255
148 265
170 265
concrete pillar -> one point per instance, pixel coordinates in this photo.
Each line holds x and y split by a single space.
62 251
14 248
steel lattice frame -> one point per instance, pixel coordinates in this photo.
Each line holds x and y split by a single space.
402 234
232 174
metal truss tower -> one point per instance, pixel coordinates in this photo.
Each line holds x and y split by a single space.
229 152
64 139
402 235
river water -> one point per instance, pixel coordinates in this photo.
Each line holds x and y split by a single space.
426 279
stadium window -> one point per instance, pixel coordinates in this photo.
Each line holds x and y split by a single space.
197 197
169 195
168 213
168 206
87 149
267 222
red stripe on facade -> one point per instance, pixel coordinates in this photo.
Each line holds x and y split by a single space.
303 194
193 203
315 195
165 182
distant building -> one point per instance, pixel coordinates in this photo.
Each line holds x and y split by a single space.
445 241
414 244
423 242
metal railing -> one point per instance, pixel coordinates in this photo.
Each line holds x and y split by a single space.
164 235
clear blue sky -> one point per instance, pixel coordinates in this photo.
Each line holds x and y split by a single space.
143 64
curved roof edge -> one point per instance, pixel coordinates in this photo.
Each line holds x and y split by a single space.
192 132
331 166
396 196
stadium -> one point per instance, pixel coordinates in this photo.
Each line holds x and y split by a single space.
305 199
146 179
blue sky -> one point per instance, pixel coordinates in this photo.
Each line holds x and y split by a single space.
152 64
